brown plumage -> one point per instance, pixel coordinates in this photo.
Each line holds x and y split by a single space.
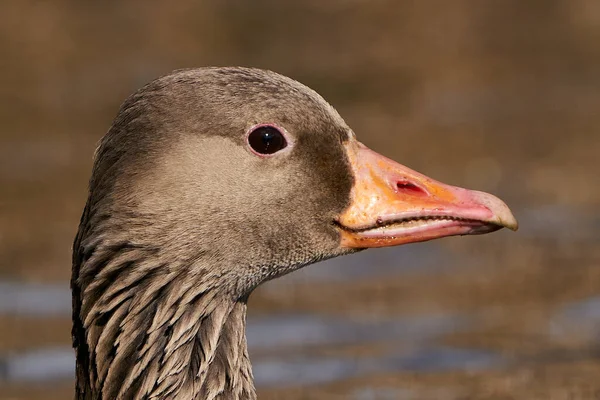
183 221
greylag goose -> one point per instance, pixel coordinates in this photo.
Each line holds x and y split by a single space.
210 182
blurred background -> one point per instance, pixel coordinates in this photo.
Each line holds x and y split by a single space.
500 96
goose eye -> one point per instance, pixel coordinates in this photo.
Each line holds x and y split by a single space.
266 140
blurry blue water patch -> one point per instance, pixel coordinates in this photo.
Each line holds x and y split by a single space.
31 299
393 393
438 392
446 358
384 393
588 309
312 370
578 319
303 371
39 365
277 331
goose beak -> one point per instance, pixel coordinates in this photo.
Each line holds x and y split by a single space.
392 204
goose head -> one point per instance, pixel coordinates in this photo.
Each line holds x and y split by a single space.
210 182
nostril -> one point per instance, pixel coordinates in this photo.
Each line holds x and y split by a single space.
409 188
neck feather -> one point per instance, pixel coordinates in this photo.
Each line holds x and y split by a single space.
149 330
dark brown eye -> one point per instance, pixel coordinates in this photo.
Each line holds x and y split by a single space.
266 140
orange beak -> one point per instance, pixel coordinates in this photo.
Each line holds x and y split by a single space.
392 204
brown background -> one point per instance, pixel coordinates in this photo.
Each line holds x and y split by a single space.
501 96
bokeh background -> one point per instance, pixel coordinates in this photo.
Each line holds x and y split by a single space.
496 95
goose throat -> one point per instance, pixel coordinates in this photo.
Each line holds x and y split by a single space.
152 330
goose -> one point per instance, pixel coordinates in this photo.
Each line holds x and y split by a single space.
209 182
